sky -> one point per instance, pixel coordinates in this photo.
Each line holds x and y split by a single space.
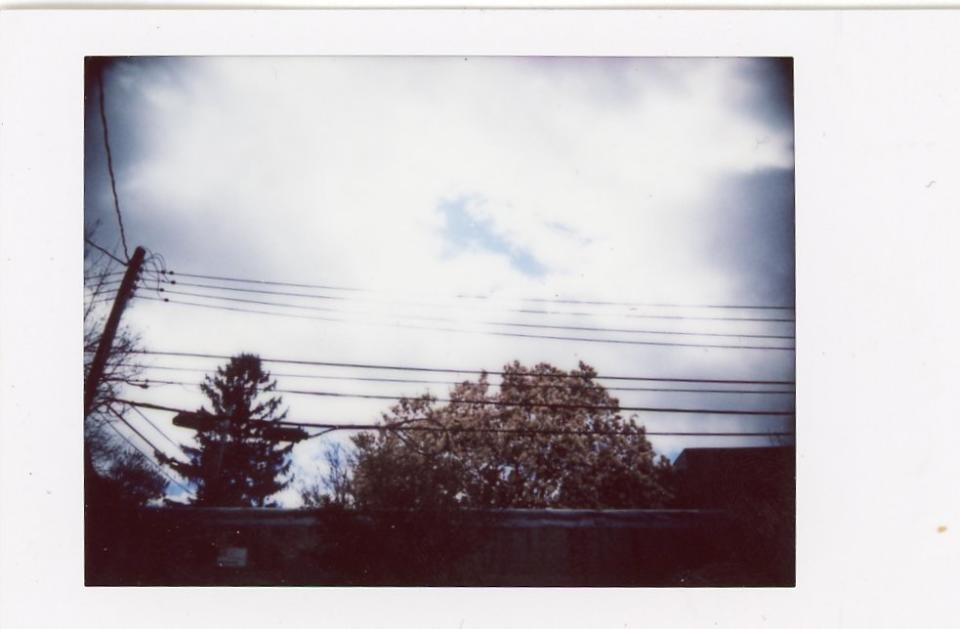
417 180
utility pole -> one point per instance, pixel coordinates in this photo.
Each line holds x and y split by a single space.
98 507
127 285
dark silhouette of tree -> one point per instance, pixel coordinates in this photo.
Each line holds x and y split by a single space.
614 467
118 464
236 463
136 476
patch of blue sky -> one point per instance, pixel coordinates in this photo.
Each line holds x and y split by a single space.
568 231
463 232
178 492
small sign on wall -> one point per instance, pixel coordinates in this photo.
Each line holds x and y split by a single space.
232 557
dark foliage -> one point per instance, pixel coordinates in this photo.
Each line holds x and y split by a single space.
136 477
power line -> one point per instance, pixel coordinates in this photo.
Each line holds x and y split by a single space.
178 446
105 297
440 382
470 429
99 288
318 363
131 427
259 291
104 251
149 458
93 276
98 292
548 405
634 304
447 329
269 282
429 318
446 305
102 300
536 431
113 179
509 310
105 284
500 403
484 297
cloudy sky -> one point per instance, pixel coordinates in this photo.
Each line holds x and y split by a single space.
418 180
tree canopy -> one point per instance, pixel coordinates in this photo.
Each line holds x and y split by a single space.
235 462
543 438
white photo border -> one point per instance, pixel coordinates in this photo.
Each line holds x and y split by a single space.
873 95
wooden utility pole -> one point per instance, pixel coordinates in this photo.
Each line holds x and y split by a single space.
127 285
100 507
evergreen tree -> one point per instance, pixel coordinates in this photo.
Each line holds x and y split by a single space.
235 462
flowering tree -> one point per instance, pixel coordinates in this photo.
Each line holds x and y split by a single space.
542 438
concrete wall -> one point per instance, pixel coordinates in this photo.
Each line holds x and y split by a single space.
202 546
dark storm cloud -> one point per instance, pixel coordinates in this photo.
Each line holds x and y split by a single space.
752 234
121 80
751 219
150 220
102 88
770 97
96 190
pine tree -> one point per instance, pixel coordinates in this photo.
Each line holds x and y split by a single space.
235 462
